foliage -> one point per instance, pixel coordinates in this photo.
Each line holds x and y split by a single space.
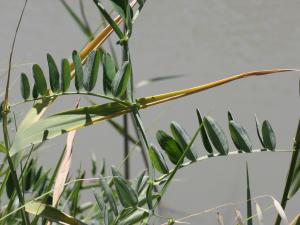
36 195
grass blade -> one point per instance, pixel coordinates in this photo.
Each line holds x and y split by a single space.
280 211
249 201
51 213
259 214
63 170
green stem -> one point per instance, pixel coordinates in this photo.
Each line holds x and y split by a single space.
126 148
163 177
284 198
11 164
74 93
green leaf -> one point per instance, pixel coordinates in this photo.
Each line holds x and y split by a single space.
51 213
183 139
35 93
25 86
121 7
249 201
141 182
85 29
109 72
2 148
169 145
127 195
109 195
149 196
78 71
158 160
268 136
91 70
108 18
120 81
229 116
204 136
40 81
258 132
10 186
134 218
53 74
58 124
65 75
216 135
240 137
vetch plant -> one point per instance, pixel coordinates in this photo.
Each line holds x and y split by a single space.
39 196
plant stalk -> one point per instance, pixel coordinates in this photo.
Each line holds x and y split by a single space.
284 198
126 148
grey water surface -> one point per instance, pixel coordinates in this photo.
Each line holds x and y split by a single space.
205 41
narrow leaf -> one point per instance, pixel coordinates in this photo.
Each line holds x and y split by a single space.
240 137
259 214
35 93
280 211
249 201
158 160
229 115
78 71
65 75
111 22
10 187
40 81
109 72
295 183
268 136
239 217
169 145
183 139
216 135
258 132
139 179
135 218
91 70
25 86
220 219
63 170
51 213
120 81
203 133
53 74
149 195
126 193
108 193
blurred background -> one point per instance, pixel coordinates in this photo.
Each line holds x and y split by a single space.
204 41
